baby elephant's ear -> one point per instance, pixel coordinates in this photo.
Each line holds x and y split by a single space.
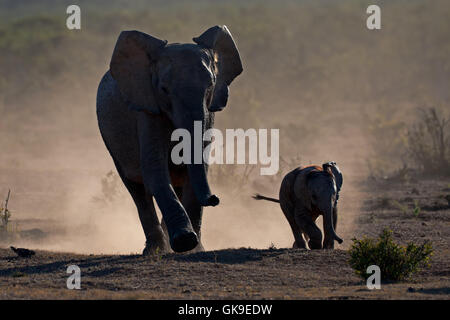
336 173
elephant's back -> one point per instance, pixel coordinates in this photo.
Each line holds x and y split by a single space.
118 125
287 193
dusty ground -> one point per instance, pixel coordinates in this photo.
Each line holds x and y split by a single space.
250 273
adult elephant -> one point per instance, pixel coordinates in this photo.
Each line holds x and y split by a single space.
151 89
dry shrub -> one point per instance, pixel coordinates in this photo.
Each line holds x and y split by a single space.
429 143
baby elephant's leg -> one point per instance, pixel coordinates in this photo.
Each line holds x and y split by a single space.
299 242
297 232
288 211
307 225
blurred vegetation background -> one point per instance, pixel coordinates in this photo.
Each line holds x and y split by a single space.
309 66
376 102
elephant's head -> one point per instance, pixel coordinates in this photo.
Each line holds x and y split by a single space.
318 189
181 81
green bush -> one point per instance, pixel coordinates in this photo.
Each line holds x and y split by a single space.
396 262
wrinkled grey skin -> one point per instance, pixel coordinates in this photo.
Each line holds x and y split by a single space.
151 89
305 194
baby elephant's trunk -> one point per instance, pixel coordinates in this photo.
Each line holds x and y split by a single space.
328 224
336 237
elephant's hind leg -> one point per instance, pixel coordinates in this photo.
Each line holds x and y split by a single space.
288 211
156 241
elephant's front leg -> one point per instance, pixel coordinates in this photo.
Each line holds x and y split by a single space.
194 211
154 151
179 228
307 225
328 241
155 239
181 234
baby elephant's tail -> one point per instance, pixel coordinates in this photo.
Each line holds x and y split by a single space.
260 197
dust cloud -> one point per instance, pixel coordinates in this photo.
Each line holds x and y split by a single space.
334 89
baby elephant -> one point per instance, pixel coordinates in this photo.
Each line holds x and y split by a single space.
306 193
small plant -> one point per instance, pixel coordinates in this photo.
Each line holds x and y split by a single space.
416 209
18 274
396 262
112 189
158 254
5 214
403 208
447 197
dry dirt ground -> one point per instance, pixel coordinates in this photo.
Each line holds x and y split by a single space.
252 273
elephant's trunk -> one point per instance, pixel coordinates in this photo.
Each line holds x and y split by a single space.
197 169
328 223
199 181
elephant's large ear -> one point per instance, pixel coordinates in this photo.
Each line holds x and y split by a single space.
131 66
229 63
336 173
301 190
